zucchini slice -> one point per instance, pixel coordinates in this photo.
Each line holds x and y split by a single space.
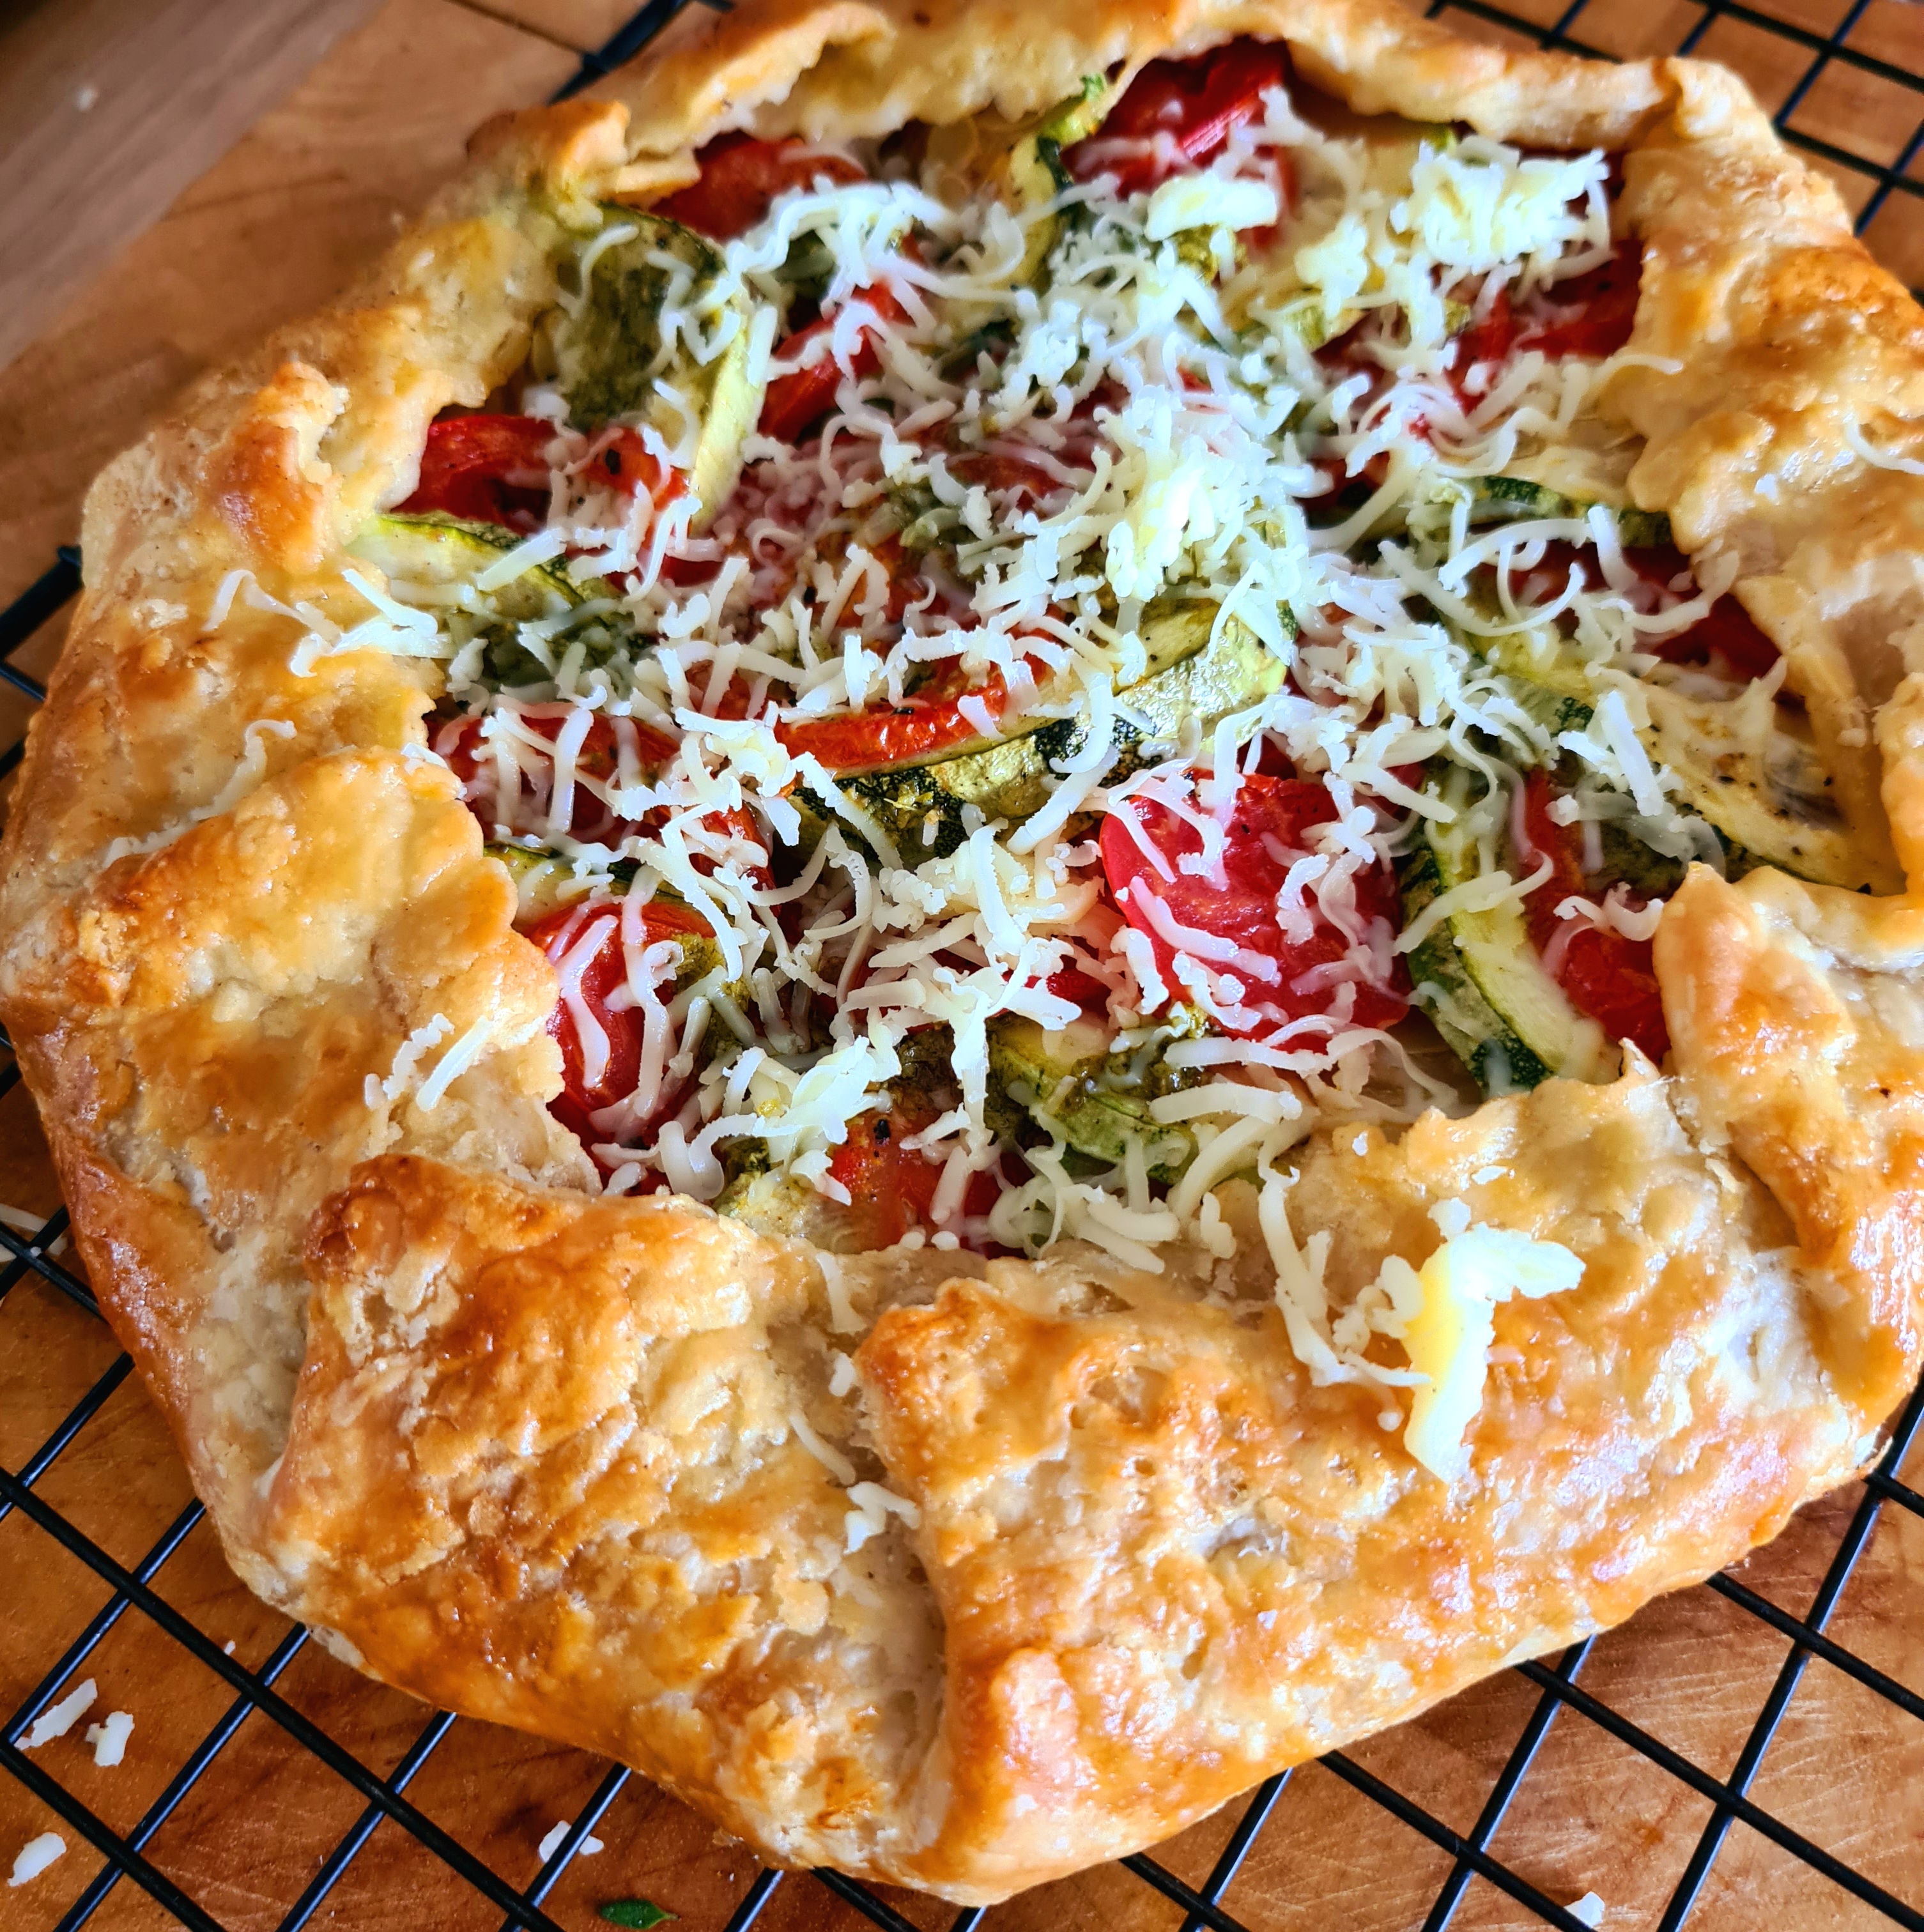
1073 1086
1476 973
432 562
607 352
543 879
1508 499
1774 801
1036 176
922 807
1770 804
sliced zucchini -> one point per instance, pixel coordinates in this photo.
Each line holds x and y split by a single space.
775 1203
922 807
1775 802
1476 973
1098 1101
1303 314
1770 805
543 879
431 560
1505 499
434 563
1035 175
607 352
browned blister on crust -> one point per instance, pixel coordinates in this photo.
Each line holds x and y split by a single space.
575 1463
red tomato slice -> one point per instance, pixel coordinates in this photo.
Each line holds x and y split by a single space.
1591 314
1017 474
796 401
741 178
599 757
892 1188
1182 112
918 727
1265 830
1489 339
589 818
487 468
624 462
1608 977
558 935
1729 630
1071 982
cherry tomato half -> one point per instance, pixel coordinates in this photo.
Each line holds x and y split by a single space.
487 468
892 1188
1181 113
1591 314
1265 835
741 178
798 399
1607 975
591 942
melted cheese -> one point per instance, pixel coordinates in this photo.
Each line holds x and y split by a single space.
1186 434
1447 1340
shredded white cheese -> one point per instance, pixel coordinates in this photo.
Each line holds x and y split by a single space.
108 1738
35 1856
57 1720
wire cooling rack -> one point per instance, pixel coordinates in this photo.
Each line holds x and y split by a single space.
1790 59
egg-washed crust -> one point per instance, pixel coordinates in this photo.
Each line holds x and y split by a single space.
545 1457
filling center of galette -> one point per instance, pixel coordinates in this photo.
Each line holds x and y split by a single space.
1022 670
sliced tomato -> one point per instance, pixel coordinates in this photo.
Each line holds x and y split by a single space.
1591 314
1489 338
919 727
1177 115
1071 982
565 934
1265 834
624 461
797 401
741 179
598 757
1015 475
1608 976
1729 632
489 469
892 1188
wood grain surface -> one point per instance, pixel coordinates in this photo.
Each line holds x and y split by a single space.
269 230
109 108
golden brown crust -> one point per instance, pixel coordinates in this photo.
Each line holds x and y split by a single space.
547 1458
838 68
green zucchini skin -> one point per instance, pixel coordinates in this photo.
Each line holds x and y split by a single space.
433 553
1079 1092
607 352
1504 500
1495 1055
1476 973
1036 175
921 807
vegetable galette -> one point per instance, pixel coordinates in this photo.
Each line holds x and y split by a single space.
1007 908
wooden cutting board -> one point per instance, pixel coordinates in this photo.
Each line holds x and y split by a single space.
271 230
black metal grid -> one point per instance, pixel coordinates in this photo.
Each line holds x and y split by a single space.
123 1857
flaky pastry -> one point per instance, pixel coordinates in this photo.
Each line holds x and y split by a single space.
582 1463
